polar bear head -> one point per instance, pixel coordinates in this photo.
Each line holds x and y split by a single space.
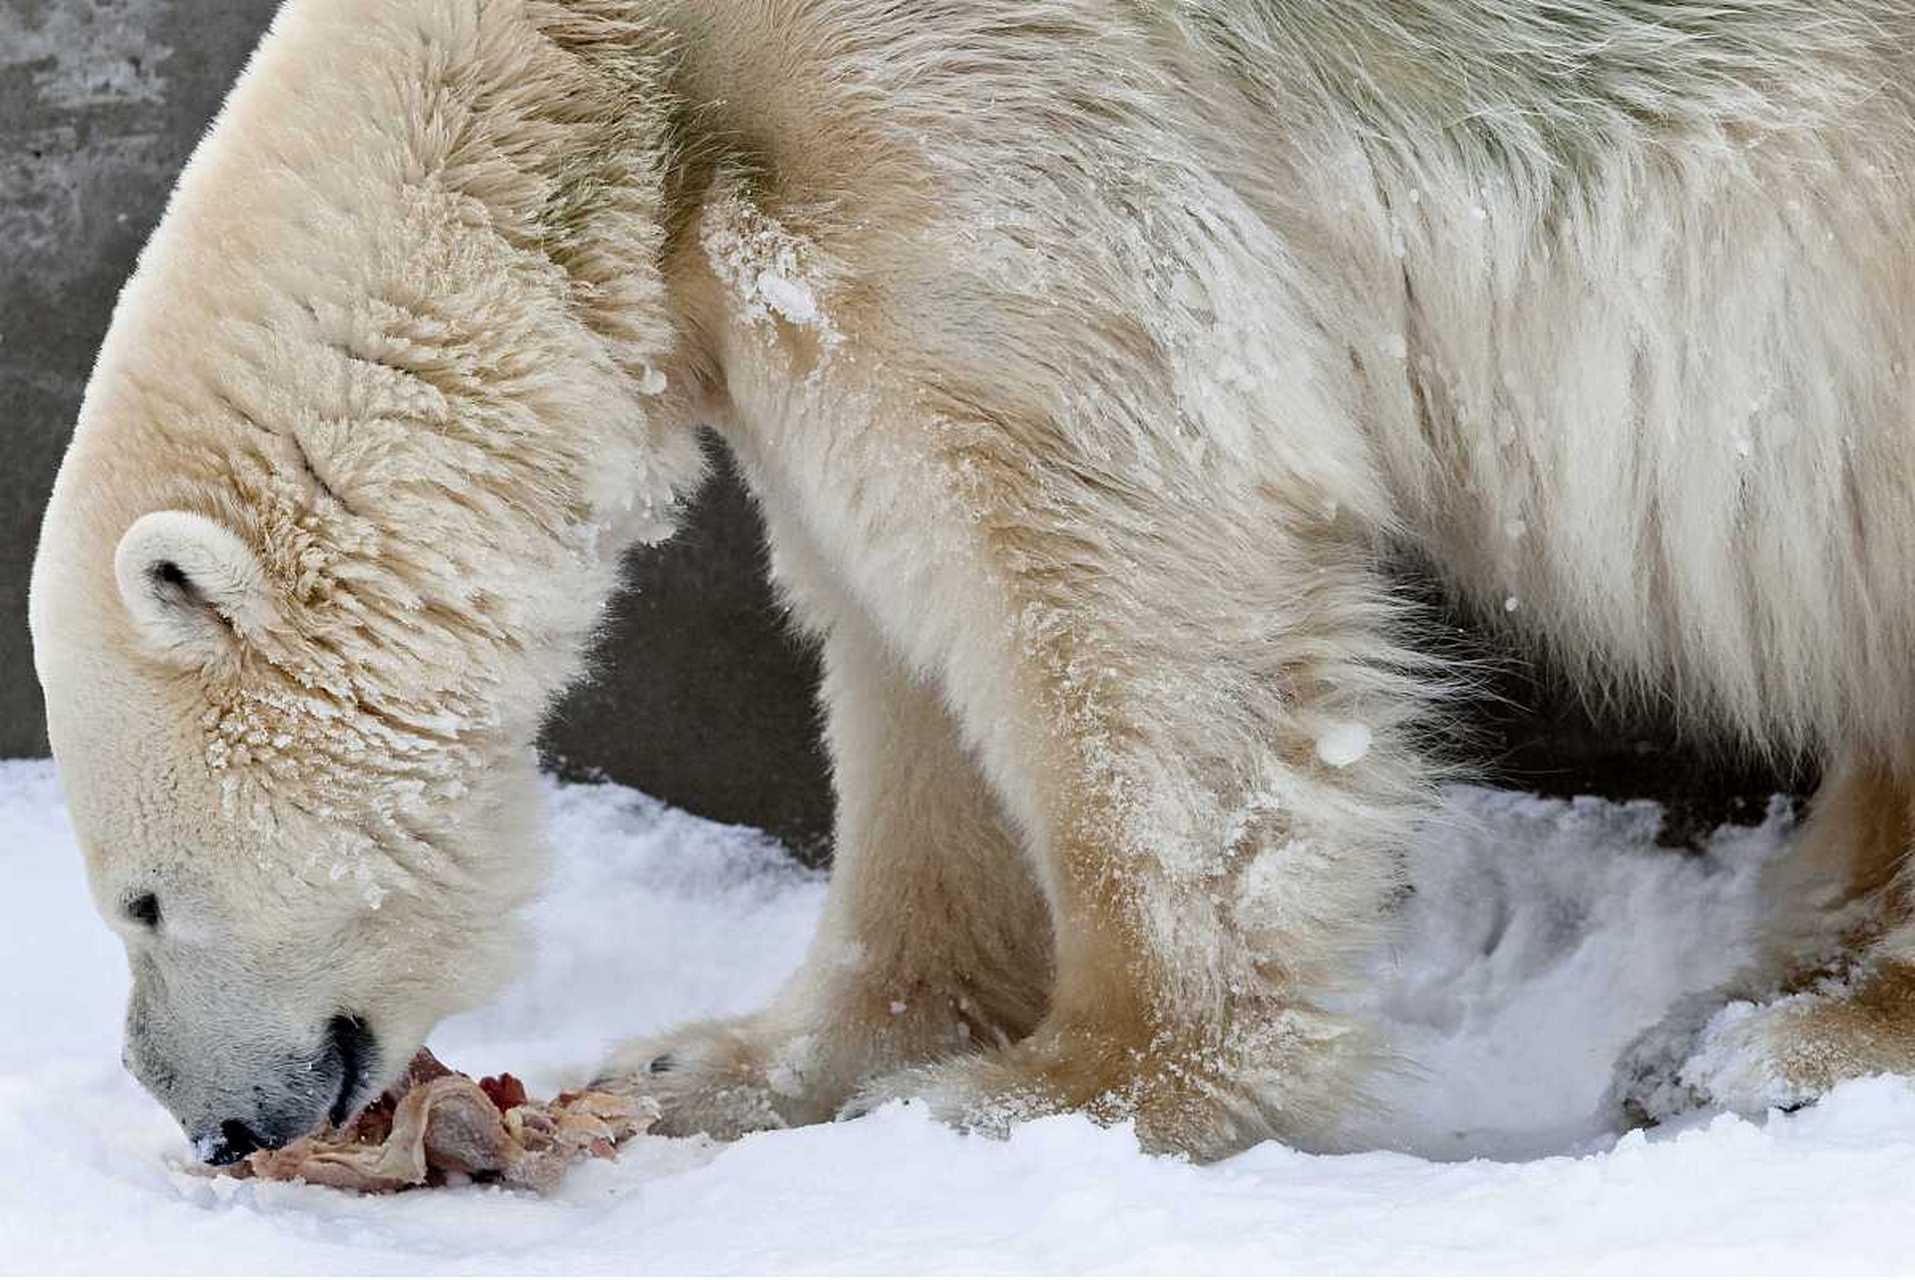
305 878
374 420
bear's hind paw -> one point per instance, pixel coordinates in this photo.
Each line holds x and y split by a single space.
1740 1056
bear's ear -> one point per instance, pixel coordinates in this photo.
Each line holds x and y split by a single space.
190 584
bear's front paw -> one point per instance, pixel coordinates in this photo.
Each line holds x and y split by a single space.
979 1093
722 1079
1739 1056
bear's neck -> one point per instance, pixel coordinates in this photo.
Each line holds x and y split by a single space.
424 242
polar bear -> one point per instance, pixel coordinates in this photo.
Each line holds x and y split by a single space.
1088 362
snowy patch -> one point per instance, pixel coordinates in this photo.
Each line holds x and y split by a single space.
1541 938
1343 744
769 270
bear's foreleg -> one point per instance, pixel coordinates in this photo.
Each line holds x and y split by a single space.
934 939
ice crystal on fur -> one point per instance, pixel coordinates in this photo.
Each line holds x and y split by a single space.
769 270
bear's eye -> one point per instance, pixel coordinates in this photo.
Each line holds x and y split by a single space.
145 910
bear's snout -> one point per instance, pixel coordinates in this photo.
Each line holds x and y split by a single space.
232 1142
234 1095
227 1140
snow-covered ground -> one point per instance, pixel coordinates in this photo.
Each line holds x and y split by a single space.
1541 936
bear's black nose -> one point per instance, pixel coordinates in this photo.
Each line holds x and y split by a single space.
235 1142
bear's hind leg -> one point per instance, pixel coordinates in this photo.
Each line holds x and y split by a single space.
1830 994
934 938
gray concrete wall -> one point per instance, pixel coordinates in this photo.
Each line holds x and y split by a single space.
702 700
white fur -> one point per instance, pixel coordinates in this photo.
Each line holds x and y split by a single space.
1088 363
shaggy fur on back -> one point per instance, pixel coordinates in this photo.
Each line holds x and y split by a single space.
1087 360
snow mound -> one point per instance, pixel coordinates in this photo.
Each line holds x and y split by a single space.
1540 937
